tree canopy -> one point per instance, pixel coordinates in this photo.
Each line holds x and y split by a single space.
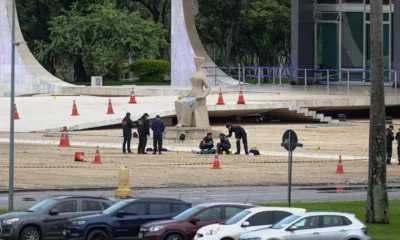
87 37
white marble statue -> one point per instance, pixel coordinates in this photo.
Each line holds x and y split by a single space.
191 110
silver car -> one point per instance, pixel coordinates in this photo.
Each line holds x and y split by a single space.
313 226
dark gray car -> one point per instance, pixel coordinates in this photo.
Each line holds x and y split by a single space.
46 219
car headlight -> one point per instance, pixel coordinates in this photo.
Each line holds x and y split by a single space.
11 221
212 231
156 228
78 222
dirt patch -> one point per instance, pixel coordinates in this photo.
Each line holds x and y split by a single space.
48 166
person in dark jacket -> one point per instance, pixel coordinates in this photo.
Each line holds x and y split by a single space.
389 143
207 142
240 134
127 125
398 145
158 128
144 132
224 145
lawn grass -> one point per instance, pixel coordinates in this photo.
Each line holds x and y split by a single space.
375 231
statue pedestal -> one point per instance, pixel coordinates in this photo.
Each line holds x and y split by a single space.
192 133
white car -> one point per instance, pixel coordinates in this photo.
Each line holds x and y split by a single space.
313 226
245 221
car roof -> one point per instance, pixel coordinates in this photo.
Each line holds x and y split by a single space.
310 214
216 204
160 199
62 197
286 209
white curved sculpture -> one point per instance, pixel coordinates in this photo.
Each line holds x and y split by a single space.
186 44
30 76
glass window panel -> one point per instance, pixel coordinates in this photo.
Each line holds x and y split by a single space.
328 46
327 1
385 2
353 1
329 16
352 40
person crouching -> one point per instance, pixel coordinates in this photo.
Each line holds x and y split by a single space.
224 145
207 142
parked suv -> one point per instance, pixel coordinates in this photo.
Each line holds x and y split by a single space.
124 219
185 225
46 219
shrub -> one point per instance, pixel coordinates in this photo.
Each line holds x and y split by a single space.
150 70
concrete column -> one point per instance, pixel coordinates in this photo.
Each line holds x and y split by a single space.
302 37
396 37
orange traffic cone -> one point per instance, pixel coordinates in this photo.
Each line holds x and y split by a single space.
80 157
97 159
16 116
220 98
110 108
74 110
216 162
339 169
133 99
241 98
64 141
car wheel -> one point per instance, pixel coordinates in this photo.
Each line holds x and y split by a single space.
98 235
174 236
30 233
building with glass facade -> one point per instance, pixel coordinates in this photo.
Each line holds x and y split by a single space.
335 34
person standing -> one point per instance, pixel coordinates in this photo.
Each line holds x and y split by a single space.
398 145
389 143
127 126
144 132
240 134
224 145
158 128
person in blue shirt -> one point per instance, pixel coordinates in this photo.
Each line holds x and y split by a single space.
158 128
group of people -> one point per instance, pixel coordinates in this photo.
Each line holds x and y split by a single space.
389 142
224 145
158 127
143 127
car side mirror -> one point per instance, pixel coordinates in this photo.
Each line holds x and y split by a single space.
53 212
292 228
120 213
245 224
194 220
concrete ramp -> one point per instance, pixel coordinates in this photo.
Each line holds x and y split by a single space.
186 44
30 76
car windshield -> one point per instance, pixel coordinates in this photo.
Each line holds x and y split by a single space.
189 212
285 222
42 206
114 208
236 218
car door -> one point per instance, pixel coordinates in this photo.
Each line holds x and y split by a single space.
54 224
128 225
256 221
307 229
207 217
333 228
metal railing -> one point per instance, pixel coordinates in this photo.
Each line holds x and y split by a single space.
316 76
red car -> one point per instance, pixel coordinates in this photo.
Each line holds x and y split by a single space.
185 225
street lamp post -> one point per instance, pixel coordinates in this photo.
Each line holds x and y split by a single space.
12 110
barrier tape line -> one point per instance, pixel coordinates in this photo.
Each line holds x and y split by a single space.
157 165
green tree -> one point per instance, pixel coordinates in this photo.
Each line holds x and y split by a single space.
104 36
377 210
